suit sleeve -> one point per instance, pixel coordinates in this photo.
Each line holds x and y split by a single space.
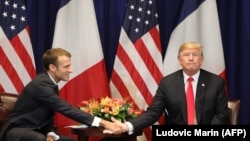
221 115
48 96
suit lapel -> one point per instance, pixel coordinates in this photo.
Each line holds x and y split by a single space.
180 92
56 89
200 94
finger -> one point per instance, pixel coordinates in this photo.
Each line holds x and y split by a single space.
114 120
106 131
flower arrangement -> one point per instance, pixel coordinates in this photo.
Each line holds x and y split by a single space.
107 107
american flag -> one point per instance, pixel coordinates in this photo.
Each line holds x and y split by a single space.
138 63
17 65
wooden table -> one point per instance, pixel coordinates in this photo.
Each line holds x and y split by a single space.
84 134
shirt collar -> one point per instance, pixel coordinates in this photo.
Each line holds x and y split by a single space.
52 79
195 76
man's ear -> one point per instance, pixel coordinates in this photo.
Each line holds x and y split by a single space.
52 67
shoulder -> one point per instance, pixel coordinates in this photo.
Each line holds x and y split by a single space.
41 82
208 73
43 78
175 76
204 74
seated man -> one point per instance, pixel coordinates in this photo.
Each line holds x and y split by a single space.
209 104
33 114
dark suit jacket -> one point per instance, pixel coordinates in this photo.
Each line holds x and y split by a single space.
211 101
36 106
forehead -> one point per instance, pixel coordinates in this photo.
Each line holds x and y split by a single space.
63 59
190 50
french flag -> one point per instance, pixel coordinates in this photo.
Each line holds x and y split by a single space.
76 31
197 21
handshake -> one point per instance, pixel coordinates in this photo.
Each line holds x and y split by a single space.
114 127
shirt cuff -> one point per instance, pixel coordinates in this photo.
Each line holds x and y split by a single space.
130 127
96 122
56 137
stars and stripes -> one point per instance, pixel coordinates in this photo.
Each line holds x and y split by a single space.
17 66
138 63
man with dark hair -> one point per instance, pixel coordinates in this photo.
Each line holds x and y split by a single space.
33 115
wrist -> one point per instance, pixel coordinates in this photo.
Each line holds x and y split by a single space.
96 122
103 123
129 128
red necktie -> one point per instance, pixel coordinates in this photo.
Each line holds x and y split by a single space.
190 102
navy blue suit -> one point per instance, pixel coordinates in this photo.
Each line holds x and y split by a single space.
36 107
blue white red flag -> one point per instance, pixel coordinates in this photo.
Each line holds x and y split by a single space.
198 21
76 31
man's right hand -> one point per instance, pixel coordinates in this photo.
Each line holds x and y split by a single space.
123 126
111 127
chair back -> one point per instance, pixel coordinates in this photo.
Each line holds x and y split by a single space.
234 111
7 102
